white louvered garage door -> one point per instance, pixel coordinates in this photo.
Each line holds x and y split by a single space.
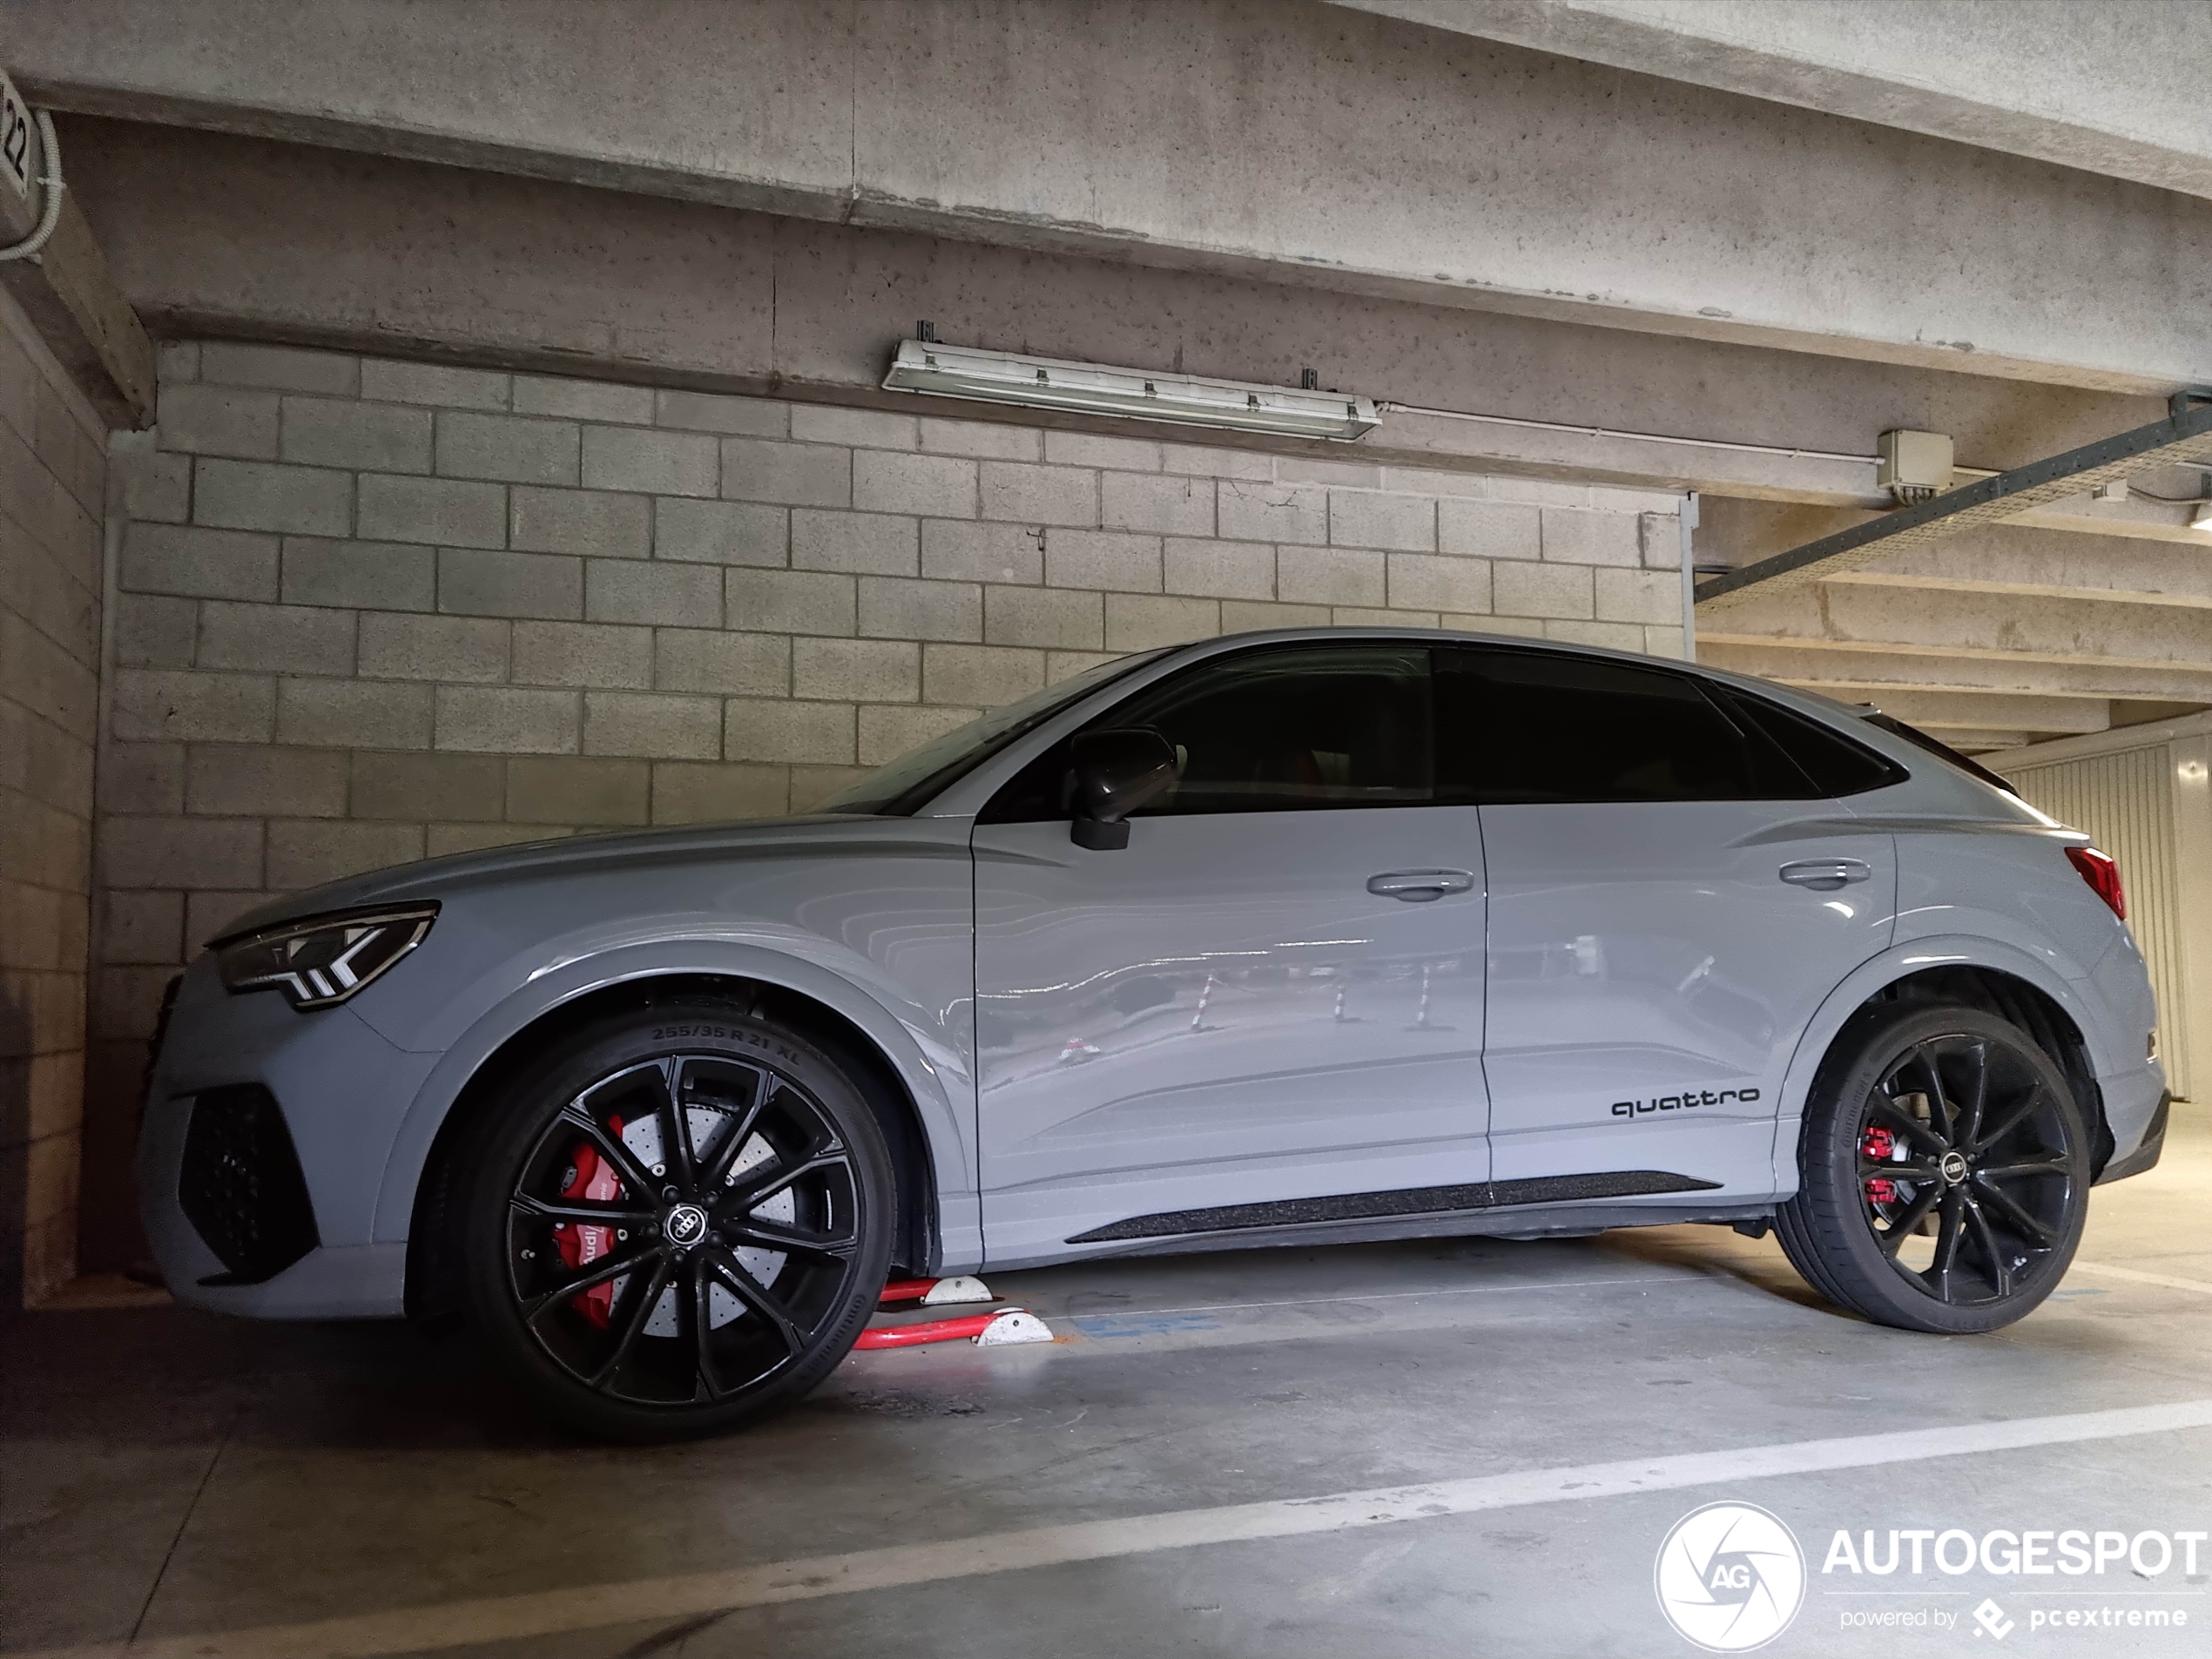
2125 801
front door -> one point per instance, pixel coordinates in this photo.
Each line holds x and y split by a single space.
1270 1000
1670 901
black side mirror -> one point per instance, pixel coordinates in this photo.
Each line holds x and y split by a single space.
1115 773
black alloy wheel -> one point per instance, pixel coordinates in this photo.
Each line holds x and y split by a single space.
1965 1167
1944 1171
682 1222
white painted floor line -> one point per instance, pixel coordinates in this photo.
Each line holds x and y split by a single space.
2136 1276
514 1618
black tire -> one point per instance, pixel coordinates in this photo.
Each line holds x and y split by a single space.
1943 1171
645 1273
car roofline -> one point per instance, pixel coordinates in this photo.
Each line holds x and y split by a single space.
1845 717
966 794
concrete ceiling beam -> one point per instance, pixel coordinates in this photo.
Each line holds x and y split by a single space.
2019 590
1742 526
2003 563
1830 683
2020 555
1979 711
69 297
2111 90
2138 518
1879 618
213 234
1281 140
1914 666
1973 741
2011 558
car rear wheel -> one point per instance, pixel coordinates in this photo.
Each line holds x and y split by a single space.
677 1223
1943 1171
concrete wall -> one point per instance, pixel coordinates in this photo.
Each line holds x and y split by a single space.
1303 143
210 234
2110 89
52 485
371 610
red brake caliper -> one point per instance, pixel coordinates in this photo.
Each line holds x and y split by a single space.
1878 1144
589 1175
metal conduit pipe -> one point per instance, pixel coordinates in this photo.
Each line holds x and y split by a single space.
49 152
1641 437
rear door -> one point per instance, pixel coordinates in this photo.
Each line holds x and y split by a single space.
1255 1013
1671 898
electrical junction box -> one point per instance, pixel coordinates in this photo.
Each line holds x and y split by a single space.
1914 466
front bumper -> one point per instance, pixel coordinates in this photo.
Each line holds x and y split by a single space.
339 1092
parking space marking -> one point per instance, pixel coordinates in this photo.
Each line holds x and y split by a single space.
548 1612
2136 1276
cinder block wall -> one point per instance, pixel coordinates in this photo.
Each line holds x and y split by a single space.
52 485
371 610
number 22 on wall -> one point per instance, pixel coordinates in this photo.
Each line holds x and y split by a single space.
14 139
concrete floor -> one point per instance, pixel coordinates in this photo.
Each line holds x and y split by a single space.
196 1481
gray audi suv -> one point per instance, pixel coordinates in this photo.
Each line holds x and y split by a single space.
1278 939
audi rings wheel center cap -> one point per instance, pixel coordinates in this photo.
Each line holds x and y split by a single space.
685 1224
1953 1170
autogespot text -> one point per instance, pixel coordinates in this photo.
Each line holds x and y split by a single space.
2034 1552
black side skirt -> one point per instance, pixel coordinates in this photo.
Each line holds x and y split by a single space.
1407 1201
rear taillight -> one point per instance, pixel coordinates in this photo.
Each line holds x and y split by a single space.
2102 874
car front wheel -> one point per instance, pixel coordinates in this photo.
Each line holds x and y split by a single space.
1943 1171
677 1223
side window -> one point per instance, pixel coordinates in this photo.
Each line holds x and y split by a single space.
1529 726
1943 752
1284 729
1836 765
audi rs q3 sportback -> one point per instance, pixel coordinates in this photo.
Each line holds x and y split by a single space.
1278 939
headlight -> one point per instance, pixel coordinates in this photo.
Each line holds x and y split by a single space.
322 961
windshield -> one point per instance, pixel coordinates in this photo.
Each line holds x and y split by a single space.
904 787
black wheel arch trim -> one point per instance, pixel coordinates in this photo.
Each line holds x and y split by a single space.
431 1287
2034 1011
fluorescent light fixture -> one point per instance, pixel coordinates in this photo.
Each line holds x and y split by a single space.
1087 388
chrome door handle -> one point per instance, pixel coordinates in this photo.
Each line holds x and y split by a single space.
1419 886
1825 876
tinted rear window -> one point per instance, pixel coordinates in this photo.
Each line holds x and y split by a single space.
1835 763
1527 726
1941 750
